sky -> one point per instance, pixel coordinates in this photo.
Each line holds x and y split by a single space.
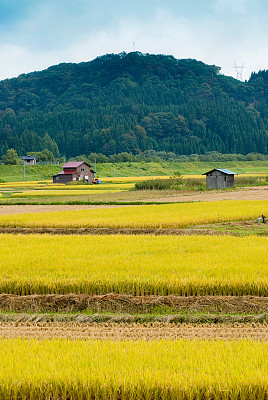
35 34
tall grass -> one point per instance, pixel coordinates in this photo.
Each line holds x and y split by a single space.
196 182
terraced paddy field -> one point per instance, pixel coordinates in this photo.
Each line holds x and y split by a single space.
179 316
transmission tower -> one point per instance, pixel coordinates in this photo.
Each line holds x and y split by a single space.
239 71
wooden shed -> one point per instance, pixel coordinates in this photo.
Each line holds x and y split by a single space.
220 178
29 160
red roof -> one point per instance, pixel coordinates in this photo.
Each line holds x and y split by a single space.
66 172
73 164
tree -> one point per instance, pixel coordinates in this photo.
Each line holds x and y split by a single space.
43 156
11 157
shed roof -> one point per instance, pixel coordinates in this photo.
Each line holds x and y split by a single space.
29 157
224 171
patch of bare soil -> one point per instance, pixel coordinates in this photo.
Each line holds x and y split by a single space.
132 304
32 208
155 331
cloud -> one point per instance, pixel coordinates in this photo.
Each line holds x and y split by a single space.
214 31
230 7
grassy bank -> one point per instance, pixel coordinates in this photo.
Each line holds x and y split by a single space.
186 168
13 173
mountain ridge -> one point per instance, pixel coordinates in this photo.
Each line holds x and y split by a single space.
132 102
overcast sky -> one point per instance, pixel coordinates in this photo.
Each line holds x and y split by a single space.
35 34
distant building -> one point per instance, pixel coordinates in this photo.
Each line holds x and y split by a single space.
219 178
29 160
75 171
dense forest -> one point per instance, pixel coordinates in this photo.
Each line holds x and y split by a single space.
133 103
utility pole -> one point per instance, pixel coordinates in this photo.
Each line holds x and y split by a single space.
95 167
23 169
138 173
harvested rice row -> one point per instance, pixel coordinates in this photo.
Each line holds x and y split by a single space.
154 331
122 303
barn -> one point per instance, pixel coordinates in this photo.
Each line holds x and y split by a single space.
75 171
220 178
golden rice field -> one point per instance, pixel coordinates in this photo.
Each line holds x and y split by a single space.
164 369
137 265
123 179
105 186
23 183
143 216
46 193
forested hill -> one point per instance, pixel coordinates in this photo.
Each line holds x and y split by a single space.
134 102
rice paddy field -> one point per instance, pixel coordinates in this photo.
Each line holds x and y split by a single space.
114 189
159 312
143 216
137 265
53 192
133 370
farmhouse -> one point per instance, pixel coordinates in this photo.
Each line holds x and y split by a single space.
29 160
74 171
219 178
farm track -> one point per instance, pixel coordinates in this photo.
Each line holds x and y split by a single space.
132 304
150 332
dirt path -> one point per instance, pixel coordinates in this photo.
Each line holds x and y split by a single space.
135 331
30 208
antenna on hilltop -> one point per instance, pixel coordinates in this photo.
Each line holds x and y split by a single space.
134 46
239 71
